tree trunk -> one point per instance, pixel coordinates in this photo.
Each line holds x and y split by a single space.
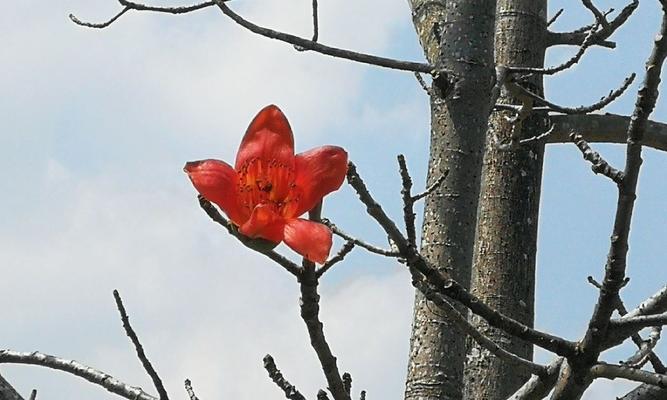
503 273
456 35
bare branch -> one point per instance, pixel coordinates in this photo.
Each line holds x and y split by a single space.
310 311
616 260
605 128
634 324
323 49
141 354
255 244
129 5
599 17
340 256
610 371
277 377
408 203
539 387
33 394
100 25
190 390
465 327
92 375
449 287
588 42
322 395
438 182
577 37
599 164
613 95
555 17
373 249
643 355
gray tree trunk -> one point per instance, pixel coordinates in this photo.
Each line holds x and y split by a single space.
503 273
456 35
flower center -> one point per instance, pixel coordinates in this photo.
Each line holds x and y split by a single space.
267 182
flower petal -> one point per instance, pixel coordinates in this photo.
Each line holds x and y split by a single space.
319 172
264 223
217 182
310 239
268 138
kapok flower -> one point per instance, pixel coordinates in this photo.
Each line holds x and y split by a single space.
270 187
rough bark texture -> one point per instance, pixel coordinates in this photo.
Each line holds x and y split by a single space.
456 35
503 273
646 392
7 392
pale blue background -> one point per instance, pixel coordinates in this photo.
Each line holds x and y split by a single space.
96 125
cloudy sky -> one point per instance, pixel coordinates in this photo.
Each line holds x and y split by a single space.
96 125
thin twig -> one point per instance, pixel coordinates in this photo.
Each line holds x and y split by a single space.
555 17
33 395
432 188
141 354
322 395
539 137
577 37
92 375
408 203
461 323
190 390
215 215
588 42
373 249
277 377
599 17
599 164
129 5
340 256
449 287
582 109
328 50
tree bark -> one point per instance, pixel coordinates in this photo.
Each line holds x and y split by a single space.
646 392
503 273
456 35
7 392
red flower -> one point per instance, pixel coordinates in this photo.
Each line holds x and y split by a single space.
270 187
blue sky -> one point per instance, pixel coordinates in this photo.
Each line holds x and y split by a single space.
97 125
